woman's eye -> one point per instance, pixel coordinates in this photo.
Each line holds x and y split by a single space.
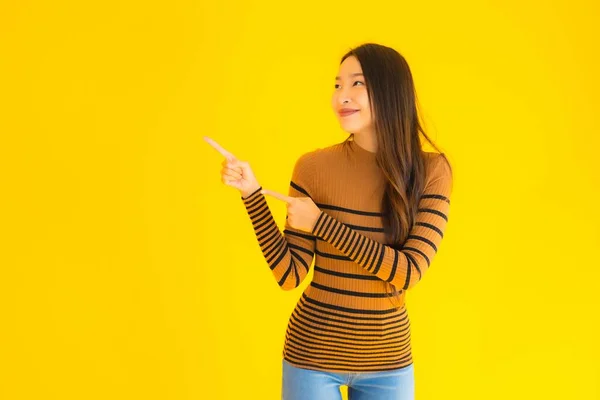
336 85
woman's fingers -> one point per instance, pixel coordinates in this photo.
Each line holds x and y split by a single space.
231 182
283 197
233 165
229 156
235 172
231 173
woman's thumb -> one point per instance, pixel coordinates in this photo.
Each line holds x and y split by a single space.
239 164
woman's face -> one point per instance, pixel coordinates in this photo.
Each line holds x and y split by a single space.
351 92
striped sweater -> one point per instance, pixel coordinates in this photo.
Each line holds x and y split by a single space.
345 320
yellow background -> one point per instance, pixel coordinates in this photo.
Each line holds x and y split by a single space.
129 271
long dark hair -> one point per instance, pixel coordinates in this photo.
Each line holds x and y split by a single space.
393 102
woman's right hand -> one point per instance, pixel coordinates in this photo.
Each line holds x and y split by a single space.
235 173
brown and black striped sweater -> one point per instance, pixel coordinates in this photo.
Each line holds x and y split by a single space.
345 319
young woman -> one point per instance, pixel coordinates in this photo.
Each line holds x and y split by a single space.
373 209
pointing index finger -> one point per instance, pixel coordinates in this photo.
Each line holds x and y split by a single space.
220 149
279 196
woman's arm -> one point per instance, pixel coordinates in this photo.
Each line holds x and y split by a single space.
402 268
290 254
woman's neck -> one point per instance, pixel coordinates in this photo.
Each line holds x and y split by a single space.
368 143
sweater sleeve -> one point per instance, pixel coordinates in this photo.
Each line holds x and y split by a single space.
403 268
290 254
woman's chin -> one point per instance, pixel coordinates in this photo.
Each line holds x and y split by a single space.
350 128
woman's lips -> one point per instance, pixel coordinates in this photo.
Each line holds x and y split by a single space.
346 113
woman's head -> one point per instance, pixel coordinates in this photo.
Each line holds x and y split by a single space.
377 81
351 93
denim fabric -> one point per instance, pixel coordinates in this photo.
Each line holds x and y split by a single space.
306 384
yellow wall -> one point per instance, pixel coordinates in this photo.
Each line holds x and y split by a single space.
128 270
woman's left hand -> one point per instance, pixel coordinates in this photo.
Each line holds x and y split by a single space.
302 212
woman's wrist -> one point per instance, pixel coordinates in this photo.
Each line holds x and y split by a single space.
250 192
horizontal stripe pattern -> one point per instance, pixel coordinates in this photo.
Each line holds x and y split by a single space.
403 268
288 254
324 337
345 319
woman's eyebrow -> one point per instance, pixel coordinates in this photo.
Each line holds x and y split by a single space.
354 74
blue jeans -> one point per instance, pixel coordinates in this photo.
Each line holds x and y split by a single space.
306 384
